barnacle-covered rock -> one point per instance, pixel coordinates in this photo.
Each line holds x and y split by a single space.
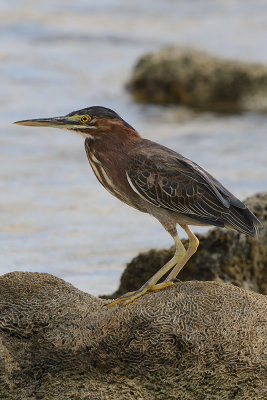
194 340
193 78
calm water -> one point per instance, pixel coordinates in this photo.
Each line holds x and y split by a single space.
58 56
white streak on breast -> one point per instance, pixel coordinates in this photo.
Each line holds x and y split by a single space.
102 176
99 177
95 159
108 180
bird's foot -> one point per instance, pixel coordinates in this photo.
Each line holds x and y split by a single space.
131 296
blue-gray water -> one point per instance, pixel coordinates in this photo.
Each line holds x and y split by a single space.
57 56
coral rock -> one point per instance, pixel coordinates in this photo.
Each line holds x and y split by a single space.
194 340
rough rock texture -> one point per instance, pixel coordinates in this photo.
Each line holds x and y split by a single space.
192 341
195 79
222 256
258 205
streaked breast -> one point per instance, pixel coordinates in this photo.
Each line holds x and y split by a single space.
101 174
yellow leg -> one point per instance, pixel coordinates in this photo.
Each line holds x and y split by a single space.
151 285
192 248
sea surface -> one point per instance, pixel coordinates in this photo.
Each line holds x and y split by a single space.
57 56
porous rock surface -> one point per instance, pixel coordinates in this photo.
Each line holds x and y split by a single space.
224 256
192 341
193 78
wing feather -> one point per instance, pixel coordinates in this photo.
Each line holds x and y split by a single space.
167 179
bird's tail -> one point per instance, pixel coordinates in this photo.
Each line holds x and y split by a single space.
243 220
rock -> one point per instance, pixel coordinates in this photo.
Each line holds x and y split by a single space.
224 256
196 79
258 205
194 340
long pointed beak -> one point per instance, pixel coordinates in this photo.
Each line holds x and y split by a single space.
57 122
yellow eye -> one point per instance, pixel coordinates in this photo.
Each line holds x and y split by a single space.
85 119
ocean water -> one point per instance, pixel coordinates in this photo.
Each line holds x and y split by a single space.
58 56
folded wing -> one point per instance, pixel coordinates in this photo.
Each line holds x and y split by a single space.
168 180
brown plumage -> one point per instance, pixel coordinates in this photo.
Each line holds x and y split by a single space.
156 180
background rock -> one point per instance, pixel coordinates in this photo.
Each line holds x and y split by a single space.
192 341
196 79
224 256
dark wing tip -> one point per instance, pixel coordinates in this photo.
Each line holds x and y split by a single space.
243 220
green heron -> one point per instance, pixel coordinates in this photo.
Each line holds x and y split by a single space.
155 180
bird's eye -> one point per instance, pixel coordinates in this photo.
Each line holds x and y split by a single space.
85 119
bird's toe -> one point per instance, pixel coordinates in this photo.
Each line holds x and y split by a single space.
132 296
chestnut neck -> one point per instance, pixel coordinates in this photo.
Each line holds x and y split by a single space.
116 137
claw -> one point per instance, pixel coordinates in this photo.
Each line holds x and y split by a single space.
160 286
120 299
131 296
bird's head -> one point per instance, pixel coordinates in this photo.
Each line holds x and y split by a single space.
92 122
